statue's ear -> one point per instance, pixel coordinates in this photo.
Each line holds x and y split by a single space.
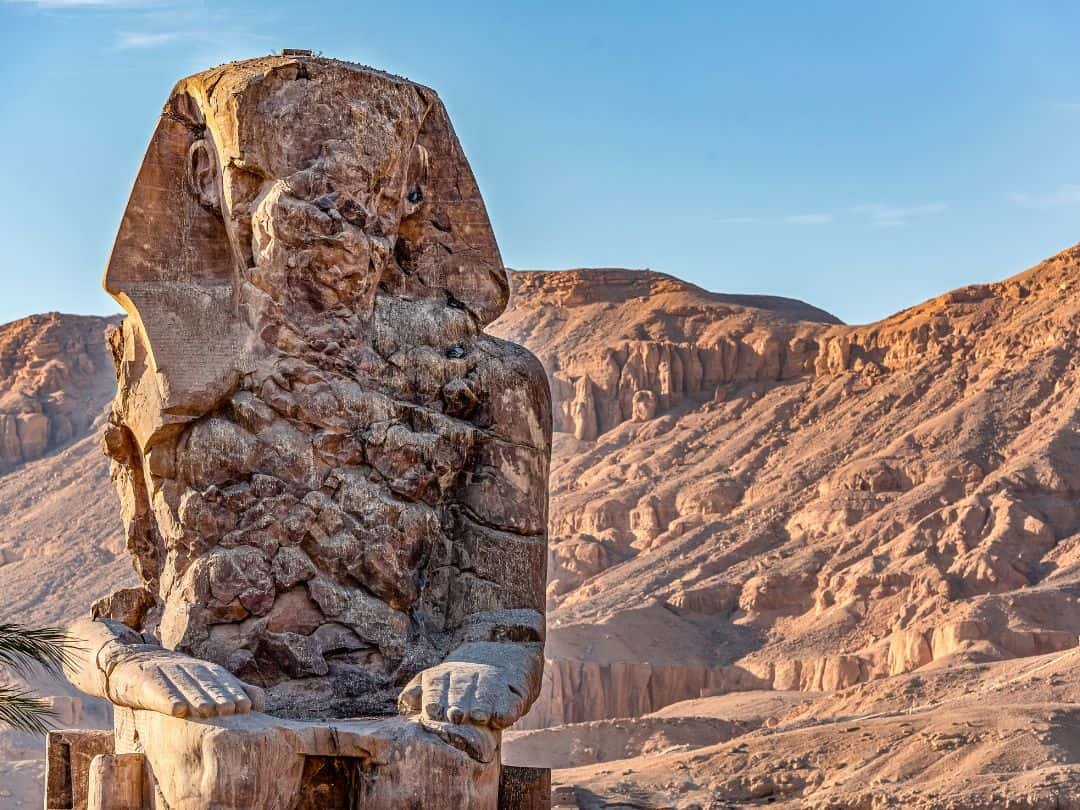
203 174
172 267
445 239
168 232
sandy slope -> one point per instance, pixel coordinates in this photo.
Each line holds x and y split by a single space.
1005 734
60 541
60 537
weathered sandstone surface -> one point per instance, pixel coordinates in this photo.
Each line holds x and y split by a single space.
53 380
801 505
332 481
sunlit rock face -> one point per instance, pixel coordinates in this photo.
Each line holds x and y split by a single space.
745 492
327 469
54 382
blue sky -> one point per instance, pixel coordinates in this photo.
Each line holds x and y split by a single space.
861 156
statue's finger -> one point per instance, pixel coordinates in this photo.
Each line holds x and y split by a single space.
257 696
211 684
436 691
234 690
482 706
409 699
241 701
506 708
483 702
158 694
460 695
200 701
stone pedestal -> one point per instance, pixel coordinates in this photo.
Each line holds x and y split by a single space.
258 762
525 788
68 755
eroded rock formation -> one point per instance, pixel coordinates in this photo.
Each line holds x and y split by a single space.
52 383
679 347
807 504
327 470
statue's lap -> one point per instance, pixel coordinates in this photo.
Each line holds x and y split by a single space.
254 761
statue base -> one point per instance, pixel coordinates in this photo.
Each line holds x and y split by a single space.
258 762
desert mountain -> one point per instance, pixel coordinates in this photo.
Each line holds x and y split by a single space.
763 523
60 543
863 541
745 500
54 375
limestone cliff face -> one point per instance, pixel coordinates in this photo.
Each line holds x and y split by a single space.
624 345
55 378
805 505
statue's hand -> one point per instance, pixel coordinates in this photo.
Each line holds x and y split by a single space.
480 694
151 678
485 684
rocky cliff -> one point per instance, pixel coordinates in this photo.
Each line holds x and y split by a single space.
55 376
746 493
613 358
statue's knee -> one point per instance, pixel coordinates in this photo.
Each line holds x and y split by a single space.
195 765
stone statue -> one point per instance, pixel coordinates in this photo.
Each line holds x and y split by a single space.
333 483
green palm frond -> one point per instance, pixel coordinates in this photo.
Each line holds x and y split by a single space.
19 709
23 648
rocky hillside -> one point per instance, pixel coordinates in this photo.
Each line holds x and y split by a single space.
59 536
742 499
55 374
626 345
60 541
953 736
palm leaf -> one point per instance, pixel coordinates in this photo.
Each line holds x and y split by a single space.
23 648
19 709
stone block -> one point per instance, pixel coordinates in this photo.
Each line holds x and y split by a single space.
524 788
68 754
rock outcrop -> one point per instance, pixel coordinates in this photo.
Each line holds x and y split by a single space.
54 381
816 505
332 480
965 736
680 346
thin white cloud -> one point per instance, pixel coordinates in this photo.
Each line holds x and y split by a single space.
1062 197
817 218
134 39
884 216
893 216
808 219
86 3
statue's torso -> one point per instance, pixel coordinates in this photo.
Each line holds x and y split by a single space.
325 530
